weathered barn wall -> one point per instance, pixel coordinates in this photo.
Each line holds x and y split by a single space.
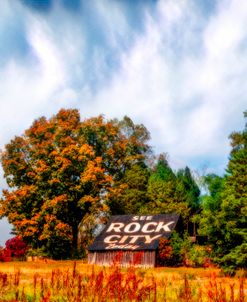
123 258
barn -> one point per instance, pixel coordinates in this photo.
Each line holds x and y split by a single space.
131 239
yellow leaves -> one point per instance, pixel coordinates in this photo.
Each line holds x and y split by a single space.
31 174
38 127
93 172
30 231
118 190
89 198
54 226
27 227
65 163
105 208
55 205
49 219
36 217
58 200
54 153
13 216
18 197
54 181
108 179
25 191
41 166
61 162
63 230
26 222
111 152
86 151
67 118
71 150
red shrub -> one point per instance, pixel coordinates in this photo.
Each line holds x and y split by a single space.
14 247
164 251
5 255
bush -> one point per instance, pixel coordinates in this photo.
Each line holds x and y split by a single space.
40 252
170 251
5 255
198 255
164 252
17 247
14 248
235 260
180 251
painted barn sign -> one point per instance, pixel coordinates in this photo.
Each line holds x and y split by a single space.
130 234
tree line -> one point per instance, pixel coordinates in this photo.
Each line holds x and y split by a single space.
66 176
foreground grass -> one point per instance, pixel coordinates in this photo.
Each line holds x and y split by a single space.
76 281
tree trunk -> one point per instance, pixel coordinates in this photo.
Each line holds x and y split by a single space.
75 241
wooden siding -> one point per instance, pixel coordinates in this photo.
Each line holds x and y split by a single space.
123 258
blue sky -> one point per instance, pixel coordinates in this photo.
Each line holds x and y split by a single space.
178 67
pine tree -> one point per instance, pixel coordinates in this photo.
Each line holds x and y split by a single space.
233 211
131 191
191 189
166 194
225 208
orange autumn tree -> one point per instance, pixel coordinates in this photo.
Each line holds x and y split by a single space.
63 169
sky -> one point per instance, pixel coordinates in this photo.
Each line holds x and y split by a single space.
177 66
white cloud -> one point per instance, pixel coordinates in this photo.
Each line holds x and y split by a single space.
51 70
226 29
189 102
183 76
40 84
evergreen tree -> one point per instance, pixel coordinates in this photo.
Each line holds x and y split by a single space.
233 211
225 209
131 191
165 192
191 189
209 222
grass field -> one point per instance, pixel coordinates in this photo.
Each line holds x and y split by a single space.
77 281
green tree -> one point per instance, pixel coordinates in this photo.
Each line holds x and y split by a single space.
209 222
61 170
224 211
211 201
131 191
191 189
166 194
233 212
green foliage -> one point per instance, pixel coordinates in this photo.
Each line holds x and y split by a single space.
181 251
39 252
236 258
225 208
132 193
166 193
211 204
176 243
173 252
198 255
191 189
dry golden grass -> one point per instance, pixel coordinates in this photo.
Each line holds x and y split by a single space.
77 281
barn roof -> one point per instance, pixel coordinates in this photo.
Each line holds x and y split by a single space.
132 232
